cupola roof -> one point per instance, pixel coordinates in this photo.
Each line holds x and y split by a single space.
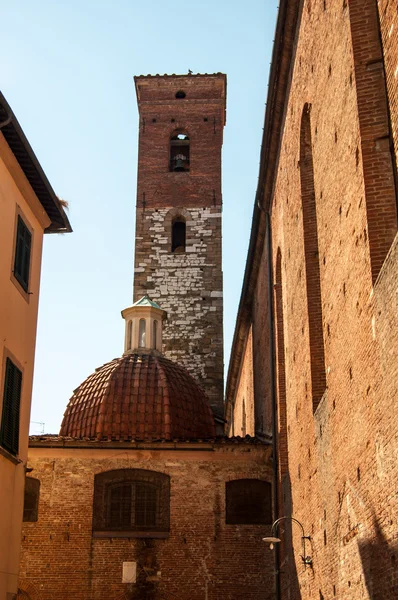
139 396
146 301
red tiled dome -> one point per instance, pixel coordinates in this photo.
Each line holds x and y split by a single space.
139 396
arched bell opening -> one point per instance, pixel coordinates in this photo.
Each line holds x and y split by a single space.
179 152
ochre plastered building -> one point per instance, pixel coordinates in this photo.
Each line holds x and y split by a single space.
138 497
29 208
317 322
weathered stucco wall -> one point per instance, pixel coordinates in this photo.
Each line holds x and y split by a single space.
18 319
203 558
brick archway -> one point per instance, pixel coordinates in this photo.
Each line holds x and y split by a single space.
27 591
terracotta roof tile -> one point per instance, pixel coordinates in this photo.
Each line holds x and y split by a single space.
143 396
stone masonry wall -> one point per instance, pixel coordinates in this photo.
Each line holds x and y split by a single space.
202 559
189 287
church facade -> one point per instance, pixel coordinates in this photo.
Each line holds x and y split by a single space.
314 358
138 497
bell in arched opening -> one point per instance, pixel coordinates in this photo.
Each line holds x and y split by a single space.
179 152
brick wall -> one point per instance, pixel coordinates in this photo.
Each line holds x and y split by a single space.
242 418
388 16
203 558
332 485
188 285
340 462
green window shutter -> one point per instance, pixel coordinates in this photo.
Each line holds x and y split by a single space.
9 433
22 254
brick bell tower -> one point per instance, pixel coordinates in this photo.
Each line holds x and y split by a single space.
178 220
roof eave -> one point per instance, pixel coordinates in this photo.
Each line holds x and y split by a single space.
274 115
32 169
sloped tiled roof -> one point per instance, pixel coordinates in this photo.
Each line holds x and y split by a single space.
139 396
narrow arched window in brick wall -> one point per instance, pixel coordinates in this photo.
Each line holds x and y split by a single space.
375 112
311 250
248 502
131 503
178 235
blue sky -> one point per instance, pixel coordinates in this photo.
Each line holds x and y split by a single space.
67 72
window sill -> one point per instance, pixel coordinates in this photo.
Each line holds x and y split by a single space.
24 293
9 456
132 534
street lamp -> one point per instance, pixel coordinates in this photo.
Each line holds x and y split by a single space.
307 560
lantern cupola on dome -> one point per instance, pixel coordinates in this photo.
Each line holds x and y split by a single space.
144 324
142 394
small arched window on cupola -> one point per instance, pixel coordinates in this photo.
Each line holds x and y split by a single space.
142 334
179 152
178 235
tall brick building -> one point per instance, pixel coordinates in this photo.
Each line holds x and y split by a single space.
138 497
178 218
314 358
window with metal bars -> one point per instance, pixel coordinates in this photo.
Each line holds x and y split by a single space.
22 254
131 503
248 502
9 431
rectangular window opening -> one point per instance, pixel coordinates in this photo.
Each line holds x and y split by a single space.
9 431
22 254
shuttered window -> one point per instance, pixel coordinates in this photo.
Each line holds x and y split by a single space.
22 254
9 432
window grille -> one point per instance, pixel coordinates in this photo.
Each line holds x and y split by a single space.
22 254
9 432
131 503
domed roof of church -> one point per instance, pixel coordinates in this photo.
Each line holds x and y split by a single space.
139 396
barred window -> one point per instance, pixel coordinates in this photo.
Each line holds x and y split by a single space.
31 499
131 503
248 502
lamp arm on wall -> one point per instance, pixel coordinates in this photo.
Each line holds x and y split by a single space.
307 560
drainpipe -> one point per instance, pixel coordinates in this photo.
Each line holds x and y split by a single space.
275 454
